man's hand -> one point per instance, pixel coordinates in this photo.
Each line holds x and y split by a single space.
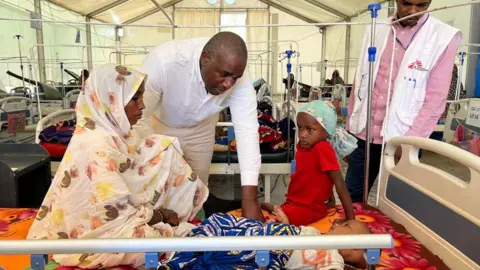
250 206
398 154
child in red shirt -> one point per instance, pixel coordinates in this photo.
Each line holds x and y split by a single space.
321 144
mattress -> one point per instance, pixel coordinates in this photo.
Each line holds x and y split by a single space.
407 254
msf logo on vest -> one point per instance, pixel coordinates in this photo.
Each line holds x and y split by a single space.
417 65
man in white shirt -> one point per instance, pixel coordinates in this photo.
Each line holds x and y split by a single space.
189 82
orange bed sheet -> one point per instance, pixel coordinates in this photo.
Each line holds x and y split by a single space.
14 225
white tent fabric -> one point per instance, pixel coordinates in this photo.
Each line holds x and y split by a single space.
121 11
196 18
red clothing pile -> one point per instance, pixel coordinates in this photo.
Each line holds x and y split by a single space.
310 187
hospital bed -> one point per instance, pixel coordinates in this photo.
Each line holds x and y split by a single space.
55 150
53 119
12 109
437 209
15 104
458 114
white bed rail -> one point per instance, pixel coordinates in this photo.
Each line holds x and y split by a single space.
225 243
449 225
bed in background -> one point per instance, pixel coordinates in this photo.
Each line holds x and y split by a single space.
55 145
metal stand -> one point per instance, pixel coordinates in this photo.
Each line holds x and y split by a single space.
151 260
289 54
373 258
38 262
372 51
461 55
20 56
64 101
262 258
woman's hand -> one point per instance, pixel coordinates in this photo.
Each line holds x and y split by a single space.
170 217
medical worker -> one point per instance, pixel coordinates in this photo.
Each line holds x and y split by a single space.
423 57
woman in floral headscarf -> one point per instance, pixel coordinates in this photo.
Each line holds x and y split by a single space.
111 183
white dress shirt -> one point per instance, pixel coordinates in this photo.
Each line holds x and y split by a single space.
173 70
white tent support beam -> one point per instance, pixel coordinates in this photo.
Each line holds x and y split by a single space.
289 12
152 11
163 11
118 44
328 8
41 50
106 8
323 57
173 18
348 35
274 82
88 31
269 48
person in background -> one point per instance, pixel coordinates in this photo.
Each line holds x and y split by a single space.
189 83
453 89
317 171
425 51
336 79
84 76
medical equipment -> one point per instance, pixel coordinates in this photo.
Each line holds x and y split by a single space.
14 110
22 167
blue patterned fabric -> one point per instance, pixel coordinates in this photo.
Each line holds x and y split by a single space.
228 225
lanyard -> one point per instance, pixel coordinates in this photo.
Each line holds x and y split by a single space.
414 35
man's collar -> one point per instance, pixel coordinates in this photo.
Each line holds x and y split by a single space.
419 22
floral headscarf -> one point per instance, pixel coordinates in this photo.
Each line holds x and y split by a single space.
324 112
98 107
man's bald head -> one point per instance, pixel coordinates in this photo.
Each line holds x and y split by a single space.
227 43
223 61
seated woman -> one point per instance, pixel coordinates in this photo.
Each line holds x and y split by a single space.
113 184
229 225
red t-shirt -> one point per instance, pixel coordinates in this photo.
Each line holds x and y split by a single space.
310 185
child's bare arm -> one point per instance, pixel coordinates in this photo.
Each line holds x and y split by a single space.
332 201
337 179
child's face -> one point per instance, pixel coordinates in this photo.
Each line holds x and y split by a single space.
348 227
352 256
310 132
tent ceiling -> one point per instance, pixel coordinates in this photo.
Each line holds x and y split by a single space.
121 11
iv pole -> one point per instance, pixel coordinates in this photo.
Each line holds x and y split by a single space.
289 54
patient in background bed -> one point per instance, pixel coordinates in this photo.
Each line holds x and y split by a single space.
321 144
229 225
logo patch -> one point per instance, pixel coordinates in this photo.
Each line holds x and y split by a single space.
417 65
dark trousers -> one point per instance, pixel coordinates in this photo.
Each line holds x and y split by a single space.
356 169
